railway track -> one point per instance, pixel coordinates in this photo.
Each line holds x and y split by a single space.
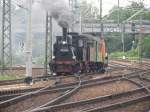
144 64
19 94
82 86
54 94
5 95
35 79
39 78
19 81
58 80
62 97
104 103
124 103
65 90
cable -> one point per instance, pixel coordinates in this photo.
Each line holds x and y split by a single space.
19 5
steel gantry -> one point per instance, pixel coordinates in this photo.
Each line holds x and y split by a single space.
6 57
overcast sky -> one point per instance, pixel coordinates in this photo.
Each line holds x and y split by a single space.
108 4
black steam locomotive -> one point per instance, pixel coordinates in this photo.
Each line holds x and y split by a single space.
74 53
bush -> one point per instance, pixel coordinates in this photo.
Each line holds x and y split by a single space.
130 53
146 47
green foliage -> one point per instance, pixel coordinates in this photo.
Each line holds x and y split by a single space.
117 54
9 77
39 60
88 10
113 40
114 14
130 53
125 13
146 46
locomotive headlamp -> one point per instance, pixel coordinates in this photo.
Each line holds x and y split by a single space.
64 42
73 57
53 57
54 74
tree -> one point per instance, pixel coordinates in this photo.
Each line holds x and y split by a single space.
114 41
146 46
88 10
124 13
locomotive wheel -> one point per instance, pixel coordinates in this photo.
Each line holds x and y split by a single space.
103 70
28 80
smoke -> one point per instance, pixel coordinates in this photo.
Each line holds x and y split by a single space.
60 11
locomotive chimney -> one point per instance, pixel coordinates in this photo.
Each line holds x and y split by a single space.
64 34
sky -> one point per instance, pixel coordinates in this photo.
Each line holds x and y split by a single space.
108 4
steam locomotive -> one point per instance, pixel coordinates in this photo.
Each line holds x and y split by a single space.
74 53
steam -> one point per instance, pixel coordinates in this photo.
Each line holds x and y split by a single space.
60 11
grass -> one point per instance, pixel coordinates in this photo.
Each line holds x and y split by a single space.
7 77
130 53
10 76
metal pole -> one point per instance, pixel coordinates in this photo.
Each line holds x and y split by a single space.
140 41
101 24
80 21
6 35
118 12
48 42
46 45
28 49
96 51
101 21
50 39
122 36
